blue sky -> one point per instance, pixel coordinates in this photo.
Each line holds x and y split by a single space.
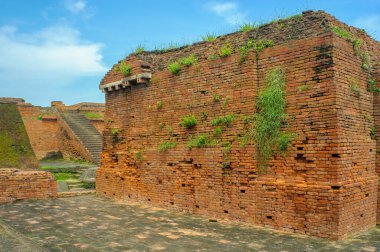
60 50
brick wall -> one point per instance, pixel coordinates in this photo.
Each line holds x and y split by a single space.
42 128
325 185
15 185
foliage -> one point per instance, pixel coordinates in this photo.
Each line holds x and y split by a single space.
204 116
91 115
225 102
341 32
166 145
139 49
114 131
270 114
202 140
372 133
365 61
188 61
159 105
59 176
284 140
138 156
209 37
213 57
356 44
125 68
303 87
162 125
216 98
246 27
225 50
372 86
353 85
174 67
257 45
218 132
246 119
188 121
223 121
226 151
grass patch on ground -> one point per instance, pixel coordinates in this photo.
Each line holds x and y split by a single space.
92 115
63 176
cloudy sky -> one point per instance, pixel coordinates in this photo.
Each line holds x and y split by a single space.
61 49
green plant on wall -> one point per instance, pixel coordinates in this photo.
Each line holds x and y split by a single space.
226 50
199 141
354 86
223 121
209 37
188 121
270 114
188 61
125 68
372 86
174 67
372 133
159 105
138 156
166 146
257 45
246 27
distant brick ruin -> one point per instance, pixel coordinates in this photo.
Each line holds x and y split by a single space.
324 182
74 131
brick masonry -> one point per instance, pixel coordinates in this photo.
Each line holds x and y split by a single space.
47 134
15 185
326 185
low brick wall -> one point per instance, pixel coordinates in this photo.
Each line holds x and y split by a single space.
16 184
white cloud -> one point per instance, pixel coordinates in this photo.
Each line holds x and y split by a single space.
370 23
229 11
55 56
75 6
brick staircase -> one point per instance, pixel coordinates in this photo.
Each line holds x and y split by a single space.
85 133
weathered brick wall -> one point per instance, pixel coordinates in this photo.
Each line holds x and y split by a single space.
326 183
15 185
42 130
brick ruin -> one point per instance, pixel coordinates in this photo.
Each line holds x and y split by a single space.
16 185
49 133
326 184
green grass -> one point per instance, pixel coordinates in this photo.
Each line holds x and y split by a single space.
353 85
59 176
257 45
247 119
188 121
226 50
166 146
139 49
246 27
199 141
372 86
216 98
356 44
125 68
365 61
91 115
213 57
188 61
209 37
341 32
223 121
174 67
218 132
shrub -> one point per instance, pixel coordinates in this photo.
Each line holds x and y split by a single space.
174 67
365 61
190 60
223 120
225 50
283 141
356 44
188 121
218 132
114 131
209 37
125 69
202 140
166 145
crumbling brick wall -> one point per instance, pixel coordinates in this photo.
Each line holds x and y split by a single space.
325 185
15 185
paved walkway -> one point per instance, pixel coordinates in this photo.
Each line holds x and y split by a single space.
90 223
